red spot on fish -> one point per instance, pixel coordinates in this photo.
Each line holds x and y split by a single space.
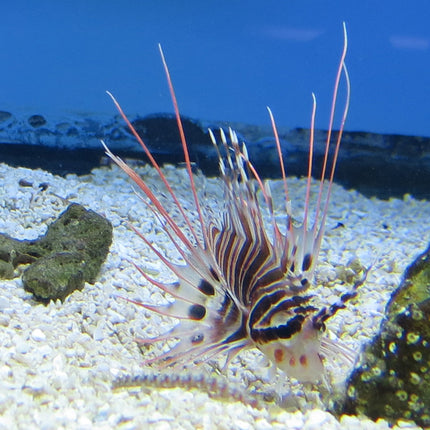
303 360
292 361
279 355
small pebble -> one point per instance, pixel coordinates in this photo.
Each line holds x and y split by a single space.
4 303
37 335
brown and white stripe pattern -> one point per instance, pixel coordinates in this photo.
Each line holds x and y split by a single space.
240 286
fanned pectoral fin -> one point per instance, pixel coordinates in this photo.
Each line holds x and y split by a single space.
178 309
196 345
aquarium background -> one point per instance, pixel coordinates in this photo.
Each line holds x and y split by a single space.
228 59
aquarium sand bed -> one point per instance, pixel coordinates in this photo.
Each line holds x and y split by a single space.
58 362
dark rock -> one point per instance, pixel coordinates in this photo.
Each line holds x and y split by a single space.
381 165
14 252
59 161
6 270
392 380
4 115
68 255
160 133
36 121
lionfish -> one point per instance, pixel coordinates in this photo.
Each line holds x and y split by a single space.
241 287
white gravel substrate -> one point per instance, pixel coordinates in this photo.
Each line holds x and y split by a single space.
58 362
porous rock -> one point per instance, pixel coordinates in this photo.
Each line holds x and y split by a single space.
68 255
36 121
392 380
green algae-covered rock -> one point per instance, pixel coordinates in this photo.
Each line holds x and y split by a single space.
55 276
392 380
14 252
68 255
82 231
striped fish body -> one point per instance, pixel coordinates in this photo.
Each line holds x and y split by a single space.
267 278
241 287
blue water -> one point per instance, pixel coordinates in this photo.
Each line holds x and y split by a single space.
228 59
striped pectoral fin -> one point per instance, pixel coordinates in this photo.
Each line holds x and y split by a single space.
193 285
178 309
203 332
194 347
196 343
304 250
189 350
183 330
191 341
202 281
327 312
186 291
